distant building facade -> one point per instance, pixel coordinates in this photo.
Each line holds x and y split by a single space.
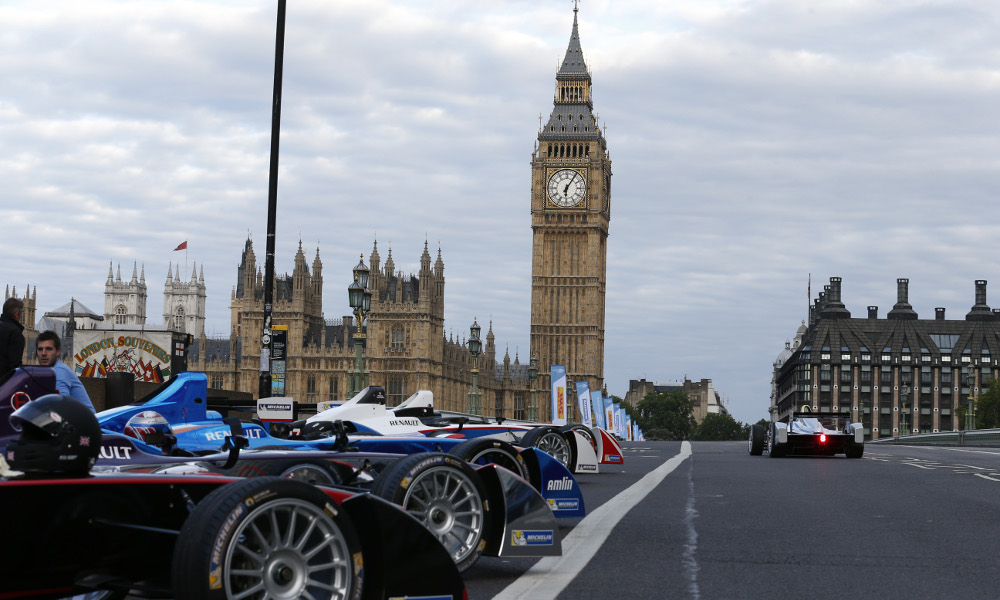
125 301
184 302
703 395
407 346
895 374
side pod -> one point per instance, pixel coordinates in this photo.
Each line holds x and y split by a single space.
556 484
528 527
610 449
586 459
402 558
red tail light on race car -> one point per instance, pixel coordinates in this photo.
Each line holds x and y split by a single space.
822 438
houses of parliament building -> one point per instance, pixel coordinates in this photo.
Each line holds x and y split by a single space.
407 348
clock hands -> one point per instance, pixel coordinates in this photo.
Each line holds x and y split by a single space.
569 183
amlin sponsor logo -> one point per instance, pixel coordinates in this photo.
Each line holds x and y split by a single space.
558 485
531 538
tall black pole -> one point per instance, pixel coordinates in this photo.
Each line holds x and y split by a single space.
264 387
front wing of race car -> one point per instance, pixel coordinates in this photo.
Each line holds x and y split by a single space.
127 532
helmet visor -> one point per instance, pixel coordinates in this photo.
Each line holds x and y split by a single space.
39 415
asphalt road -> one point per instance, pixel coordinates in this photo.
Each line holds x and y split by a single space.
902 522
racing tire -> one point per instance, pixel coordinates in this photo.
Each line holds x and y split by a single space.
284 538
854 450
774 449
484 451
756 443
444 493
551 441
584 431
309 470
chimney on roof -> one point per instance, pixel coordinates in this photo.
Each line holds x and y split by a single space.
872 312
939 313
902 308
980 311
834 308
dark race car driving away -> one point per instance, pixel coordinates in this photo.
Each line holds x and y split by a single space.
809 433
195 537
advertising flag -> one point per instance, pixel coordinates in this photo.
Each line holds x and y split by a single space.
183 246
628 427
583 399
560 404
609 414
597 400
618 420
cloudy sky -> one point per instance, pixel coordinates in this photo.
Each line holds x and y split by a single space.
754 142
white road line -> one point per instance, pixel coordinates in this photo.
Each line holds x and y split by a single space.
690 558
985 477
550 575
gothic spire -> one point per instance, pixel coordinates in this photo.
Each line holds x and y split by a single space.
572 114
573 61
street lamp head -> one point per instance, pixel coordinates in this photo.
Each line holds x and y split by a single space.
361 273
475 344
533 368
355 294
366 300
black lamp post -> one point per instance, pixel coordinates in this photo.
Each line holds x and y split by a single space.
475 347
360 299
532 376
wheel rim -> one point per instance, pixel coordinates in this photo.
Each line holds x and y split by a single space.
310 474
447 502
288 549
554 444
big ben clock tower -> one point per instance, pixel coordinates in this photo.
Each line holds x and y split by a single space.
570 213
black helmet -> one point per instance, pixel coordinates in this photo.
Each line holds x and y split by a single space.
59 435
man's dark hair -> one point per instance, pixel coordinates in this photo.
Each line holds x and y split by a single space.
12 305
49 336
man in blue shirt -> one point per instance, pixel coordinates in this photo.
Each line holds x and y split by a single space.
48 347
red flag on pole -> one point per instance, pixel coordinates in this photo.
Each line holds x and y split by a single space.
183 246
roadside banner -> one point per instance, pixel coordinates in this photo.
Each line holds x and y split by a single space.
597 401
609 414
628 427
617 428
560 403
583 399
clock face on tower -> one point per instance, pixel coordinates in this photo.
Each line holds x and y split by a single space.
567 187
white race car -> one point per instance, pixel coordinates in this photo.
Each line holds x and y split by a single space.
808 433
578 447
